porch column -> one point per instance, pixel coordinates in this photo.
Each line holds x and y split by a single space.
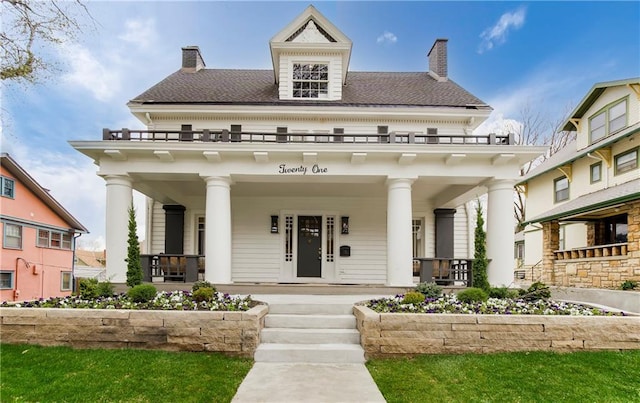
218 230
119 198
399 249
500 232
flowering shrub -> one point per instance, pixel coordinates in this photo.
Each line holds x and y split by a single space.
449 303
165 300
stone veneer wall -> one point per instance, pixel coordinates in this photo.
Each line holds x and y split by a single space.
596 272
233 333
388 334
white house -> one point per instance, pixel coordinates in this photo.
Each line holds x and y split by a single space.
583 203
308 172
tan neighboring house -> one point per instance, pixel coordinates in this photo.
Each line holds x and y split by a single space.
90 264
583 203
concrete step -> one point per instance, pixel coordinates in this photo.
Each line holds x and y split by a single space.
310 336
311 309
310 353
310 321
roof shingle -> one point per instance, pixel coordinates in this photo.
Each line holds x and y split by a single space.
255 87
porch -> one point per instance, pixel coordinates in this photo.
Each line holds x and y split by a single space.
173 269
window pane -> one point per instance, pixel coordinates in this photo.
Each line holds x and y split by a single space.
627 162
6 280
597 126
65 281
562 189
596 172
12 236
55 239
7 187
618 116
66 241
310 80
43 238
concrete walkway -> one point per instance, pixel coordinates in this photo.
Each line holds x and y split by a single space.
309 382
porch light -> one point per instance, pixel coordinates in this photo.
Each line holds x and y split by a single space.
345 225
274 224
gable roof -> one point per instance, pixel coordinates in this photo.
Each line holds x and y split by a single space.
310 31
256 87
593 95
20 174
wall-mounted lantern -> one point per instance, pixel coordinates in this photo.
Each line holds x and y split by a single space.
274 224
345 225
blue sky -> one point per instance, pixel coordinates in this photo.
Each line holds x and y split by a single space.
546 55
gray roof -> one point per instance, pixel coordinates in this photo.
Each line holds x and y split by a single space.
257 87
596 200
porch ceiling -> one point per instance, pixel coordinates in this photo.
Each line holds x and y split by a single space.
190 190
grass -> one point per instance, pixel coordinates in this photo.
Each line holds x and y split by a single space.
511 377
32 373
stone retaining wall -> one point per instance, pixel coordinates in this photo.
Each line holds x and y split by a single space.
388 334
234 333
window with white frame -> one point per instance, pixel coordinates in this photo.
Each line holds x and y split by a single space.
53 239
596 172
12 236
626 161
8 187
310 80
561 189
6 279
608 121
66 281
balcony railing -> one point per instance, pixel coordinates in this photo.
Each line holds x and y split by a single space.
445 271
616 249
168 267
226 136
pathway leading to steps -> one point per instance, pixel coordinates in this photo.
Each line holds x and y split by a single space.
307 355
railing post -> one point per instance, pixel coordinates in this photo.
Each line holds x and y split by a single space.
125 134
492 138
145 261
512 139
224 136
106 134
192 269
206 136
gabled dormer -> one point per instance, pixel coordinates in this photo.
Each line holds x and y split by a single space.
310 58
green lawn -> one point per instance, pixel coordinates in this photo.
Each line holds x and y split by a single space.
511 377
59 374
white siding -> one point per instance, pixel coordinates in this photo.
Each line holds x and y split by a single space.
157 232
285 75
257 255
460 234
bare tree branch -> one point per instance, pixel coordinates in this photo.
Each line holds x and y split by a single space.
29 27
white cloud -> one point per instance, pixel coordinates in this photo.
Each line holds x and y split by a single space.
387 37
497 34
89 73
141 33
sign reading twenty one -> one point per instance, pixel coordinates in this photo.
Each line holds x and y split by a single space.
301 169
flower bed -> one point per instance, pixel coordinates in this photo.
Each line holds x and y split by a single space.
165 300
449 303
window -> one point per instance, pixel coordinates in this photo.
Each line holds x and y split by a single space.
12 236
53 239
6 280
608 121
65 281
561 187
8 187
310 80
596 172
616 229
626 161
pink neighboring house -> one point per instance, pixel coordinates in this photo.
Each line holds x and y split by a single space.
38 238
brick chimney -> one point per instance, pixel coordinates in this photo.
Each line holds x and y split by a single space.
438 59
192 59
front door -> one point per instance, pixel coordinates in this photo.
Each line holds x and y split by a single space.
309 246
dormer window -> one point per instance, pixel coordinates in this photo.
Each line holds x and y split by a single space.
310 80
